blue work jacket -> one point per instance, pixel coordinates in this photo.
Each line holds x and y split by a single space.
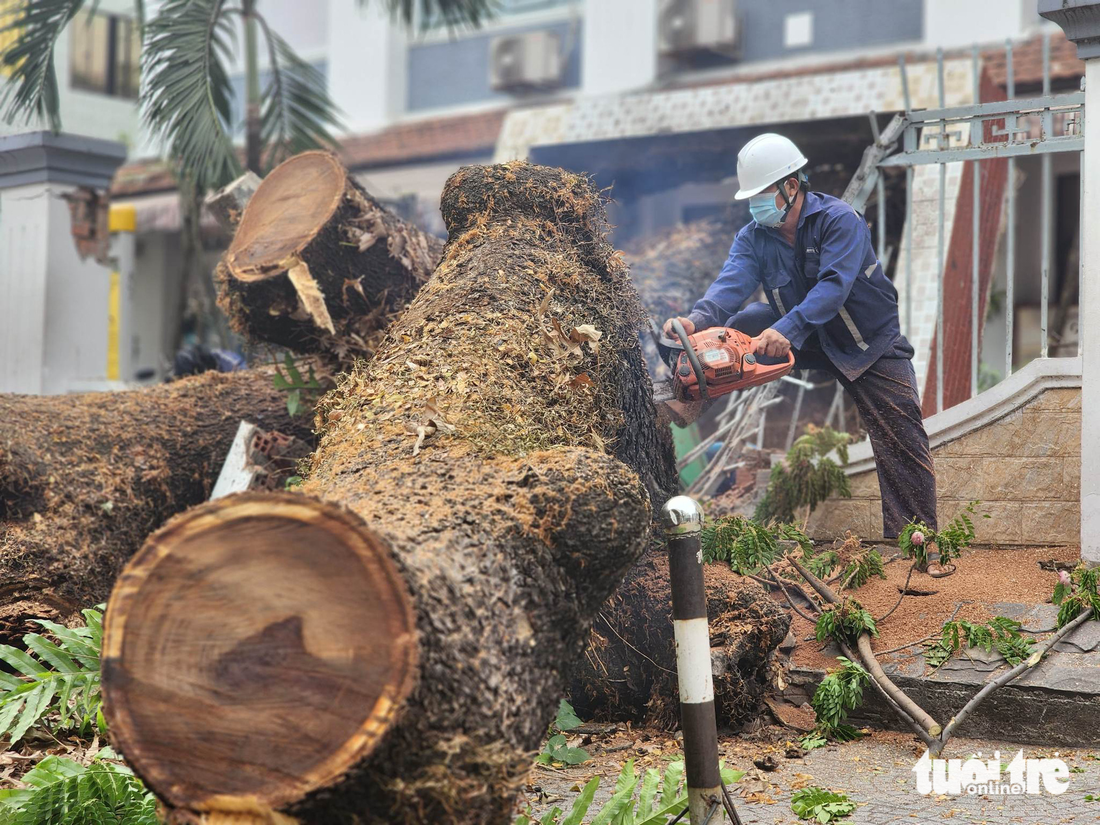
841 293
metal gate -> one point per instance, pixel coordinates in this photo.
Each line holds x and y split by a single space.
978 132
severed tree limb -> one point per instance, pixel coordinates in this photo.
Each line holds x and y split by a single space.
867 657
916 727
1034 659
327 274
85 478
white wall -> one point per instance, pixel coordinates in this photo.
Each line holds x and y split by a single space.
53 306
366 64
23 255
75 353
620 45
954 24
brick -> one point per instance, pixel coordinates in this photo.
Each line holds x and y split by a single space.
1050 433
1021 479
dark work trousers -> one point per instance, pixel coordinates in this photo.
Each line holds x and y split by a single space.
889 407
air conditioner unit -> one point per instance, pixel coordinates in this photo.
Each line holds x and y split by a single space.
521 62
692 26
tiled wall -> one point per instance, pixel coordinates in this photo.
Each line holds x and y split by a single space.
1025 469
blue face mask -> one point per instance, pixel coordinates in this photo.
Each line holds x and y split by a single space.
764 211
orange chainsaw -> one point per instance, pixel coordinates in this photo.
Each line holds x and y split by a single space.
711 363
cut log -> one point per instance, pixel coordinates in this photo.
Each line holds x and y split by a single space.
317 264
498 450
629 671
228 203
85 478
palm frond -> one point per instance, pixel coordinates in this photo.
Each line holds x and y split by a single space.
297 112
450 13
30 92
186 99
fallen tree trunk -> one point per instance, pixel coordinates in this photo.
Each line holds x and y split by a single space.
498 451
326 275
85 478
629 671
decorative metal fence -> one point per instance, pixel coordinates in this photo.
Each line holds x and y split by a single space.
1013 128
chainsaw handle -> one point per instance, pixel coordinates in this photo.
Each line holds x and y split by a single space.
763 372
693 359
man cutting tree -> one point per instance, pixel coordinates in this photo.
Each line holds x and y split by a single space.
830 302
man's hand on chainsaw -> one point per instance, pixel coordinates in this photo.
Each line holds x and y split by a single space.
689 327
771 343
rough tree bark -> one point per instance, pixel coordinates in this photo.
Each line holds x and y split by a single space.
317 264
629 669
85 478
499 449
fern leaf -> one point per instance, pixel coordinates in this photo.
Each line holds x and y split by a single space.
582 803
671 787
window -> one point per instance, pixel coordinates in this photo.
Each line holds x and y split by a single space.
105 54
798 29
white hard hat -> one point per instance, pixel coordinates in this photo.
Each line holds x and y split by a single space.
764 160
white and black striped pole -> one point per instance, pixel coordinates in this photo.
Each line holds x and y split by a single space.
683 521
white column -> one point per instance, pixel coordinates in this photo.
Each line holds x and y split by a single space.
1090 319
620 45
366 64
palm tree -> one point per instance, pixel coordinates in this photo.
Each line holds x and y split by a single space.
186 94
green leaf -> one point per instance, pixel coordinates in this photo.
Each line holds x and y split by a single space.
550 816
186 92
582 802
293 401
820 805
622 796
649 791
30 92
566 718
671 786
298 113
21 661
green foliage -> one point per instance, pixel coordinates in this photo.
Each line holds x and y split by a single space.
566 718
861 569
186 94
31 90
659 798
844 622
821 805
55 674
294 384
557 748
186 90
1000 633
807 477
839 692
1079 596
742 542
951 541
62 792
813 740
